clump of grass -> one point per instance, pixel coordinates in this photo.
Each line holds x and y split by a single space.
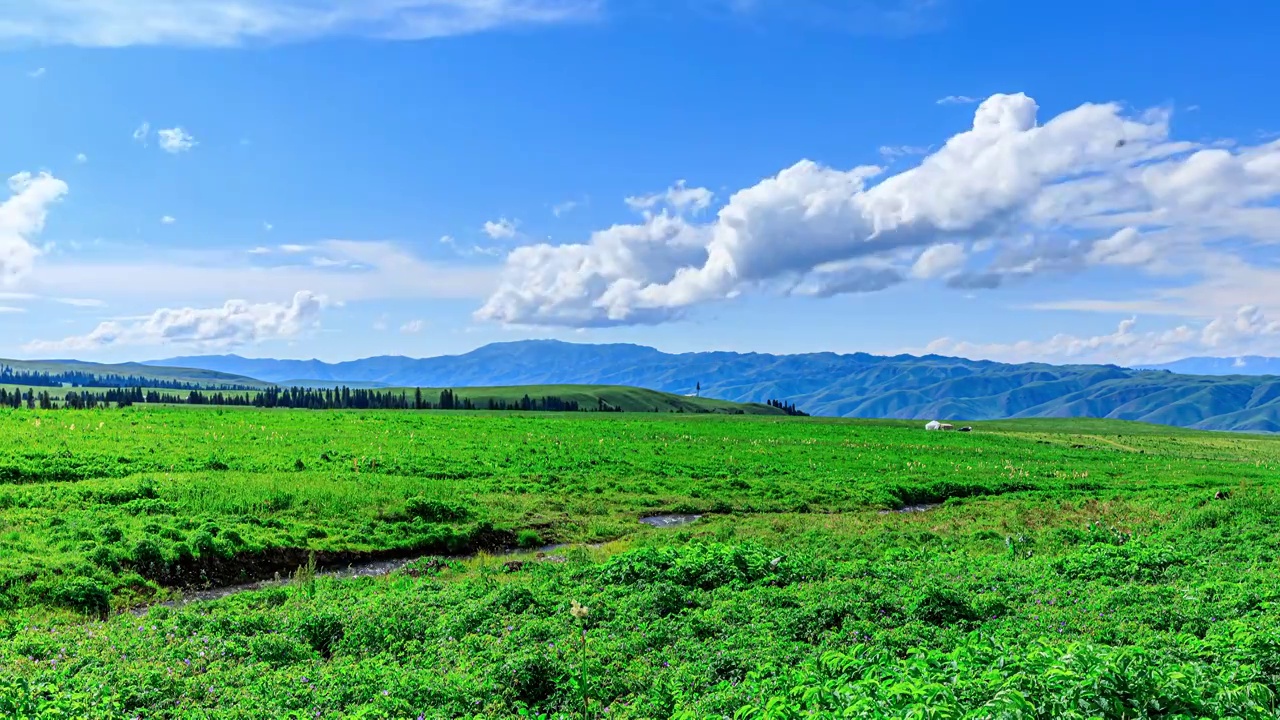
580 613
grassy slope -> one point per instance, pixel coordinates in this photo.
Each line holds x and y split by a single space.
630 399
1054 531
188 375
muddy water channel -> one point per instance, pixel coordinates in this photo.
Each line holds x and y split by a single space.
386 566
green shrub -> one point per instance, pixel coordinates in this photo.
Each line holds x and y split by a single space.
149 558
278 650
941 606
82 594
322 631
433 510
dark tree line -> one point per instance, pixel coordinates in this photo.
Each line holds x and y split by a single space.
340 398
788 408
30 378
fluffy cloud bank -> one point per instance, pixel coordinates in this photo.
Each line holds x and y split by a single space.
235 323
22 217
118 23
1225 335
1004 200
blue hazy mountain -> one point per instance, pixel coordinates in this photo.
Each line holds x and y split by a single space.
856 385
1242 365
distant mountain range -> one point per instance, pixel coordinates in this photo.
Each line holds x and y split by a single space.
857 385
1243 365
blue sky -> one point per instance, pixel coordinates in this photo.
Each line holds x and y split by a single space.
324 179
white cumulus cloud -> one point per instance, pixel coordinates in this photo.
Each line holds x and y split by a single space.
500 229
81 158
22 217
119 23
235 323
413 327
168 220
1094 185
175 140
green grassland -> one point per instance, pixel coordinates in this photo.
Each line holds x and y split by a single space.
1086 569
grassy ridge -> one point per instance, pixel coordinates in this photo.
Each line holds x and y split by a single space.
630 399
1085 568
175 374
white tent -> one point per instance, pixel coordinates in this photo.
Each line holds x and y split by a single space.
933 425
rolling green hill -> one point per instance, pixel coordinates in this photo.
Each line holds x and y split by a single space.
629 399
194 376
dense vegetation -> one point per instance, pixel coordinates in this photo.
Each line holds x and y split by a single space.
1073 568
857 385
545 398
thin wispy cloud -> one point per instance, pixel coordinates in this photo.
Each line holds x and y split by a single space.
564 208
859 17
471 251
36 74
168 220
221 23
957 100
81 302
81 159
891 152
142 134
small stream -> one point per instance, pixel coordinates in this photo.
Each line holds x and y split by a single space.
378 568
373 568
923 507
669 521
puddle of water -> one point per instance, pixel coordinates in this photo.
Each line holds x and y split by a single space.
667 521
376 568
924 507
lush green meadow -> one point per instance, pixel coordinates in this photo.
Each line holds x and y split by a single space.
1073 568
